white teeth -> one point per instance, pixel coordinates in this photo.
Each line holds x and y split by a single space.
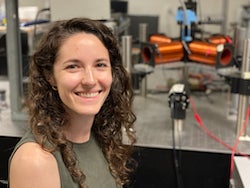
88 95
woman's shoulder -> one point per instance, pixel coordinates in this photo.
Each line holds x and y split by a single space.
32 150
32 164
28 148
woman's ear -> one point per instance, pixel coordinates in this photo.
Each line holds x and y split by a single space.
50 79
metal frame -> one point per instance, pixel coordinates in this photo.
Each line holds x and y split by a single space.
14 60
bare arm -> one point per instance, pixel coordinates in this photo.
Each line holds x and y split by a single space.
31 167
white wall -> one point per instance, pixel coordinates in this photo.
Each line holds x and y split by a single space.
30 12
39 3
94 9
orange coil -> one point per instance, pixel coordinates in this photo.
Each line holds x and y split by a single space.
164 52
169 58
226 56
167 48
209 53
202 59
204 48
217 39
159 38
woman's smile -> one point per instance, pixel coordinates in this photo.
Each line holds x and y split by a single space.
87 94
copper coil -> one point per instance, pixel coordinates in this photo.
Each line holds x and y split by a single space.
173 47
225 57
207 53
202 59
147 53
169 58
162 51
217 39
159 38
205 48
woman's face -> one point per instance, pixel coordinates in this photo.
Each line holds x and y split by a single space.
82 74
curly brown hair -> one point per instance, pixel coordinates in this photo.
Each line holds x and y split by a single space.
47 115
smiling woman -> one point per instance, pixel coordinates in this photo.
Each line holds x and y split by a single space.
79 102
83 79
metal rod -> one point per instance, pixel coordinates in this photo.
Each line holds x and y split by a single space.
14 58
240 35
143 27
127 52
144 86
225 11
243 99
178 129
243 103
178 125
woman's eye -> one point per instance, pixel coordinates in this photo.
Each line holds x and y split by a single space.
101 65
102 62
73 66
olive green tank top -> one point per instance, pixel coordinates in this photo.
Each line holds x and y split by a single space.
91 161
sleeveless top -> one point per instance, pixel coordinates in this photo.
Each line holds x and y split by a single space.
91 161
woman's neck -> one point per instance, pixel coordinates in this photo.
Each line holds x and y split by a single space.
79 128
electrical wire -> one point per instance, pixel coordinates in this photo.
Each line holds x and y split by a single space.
176 157
209 133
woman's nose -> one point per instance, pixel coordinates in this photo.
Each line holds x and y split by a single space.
88 77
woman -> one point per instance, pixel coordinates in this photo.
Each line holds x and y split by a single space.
79 103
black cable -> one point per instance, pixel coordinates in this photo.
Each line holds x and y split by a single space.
176 157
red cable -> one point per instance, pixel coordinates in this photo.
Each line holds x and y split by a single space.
209 133
204 128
